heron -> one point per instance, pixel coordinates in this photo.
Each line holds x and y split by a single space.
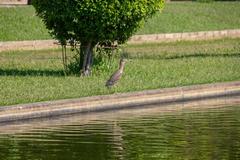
117 74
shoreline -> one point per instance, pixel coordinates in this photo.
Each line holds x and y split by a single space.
120 101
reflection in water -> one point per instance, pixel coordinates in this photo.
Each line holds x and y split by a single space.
187 134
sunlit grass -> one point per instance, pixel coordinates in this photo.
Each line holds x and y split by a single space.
21 23
32 76
193 16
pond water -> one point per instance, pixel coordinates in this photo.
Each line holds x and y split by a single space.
145 134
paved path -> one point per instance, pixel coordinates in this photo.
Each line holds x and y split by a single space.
13 2
180 96
205 35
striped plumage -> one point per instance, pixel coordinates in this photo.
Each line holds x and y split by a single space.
116 75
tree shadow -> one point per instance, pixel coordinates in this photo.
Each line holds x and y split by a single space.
181 56
31 72
204 55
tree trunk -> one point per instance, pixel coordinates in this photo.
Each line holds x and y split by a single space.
86 58
89 60
81 59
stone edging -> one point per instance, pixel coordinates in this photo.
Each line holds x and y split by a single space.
204 35
118 101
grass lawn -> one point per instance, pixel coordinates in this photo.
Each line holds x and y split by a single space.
194 16
22 24
32 76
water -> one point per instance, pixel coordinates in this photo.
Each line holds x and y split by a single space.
144 134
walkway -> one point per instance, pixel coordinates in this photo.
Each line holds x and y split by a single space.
169 37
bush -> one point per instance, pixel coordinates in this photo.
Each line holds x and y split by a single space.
90 22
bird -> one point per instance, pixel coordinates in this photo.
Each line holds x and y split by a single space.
116 75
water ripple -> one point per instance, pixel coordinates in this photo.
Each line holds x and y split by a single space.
189 134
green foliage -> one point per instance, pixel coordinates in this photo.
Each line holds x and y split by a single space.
104 55
94 20
72 68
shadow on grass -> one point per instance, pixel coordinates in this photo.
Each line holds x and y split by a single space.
180 56
31 72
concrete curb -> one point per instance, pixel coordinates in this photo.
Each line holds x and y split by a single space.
118 101
170 37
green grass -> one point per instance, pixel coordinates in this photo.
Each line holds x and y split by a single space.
193 16
22 24
32 76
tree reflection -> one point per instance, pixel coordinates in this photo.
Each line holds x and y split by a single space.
186 135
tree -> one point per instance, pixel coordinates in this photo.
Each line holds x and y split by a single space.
92 22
